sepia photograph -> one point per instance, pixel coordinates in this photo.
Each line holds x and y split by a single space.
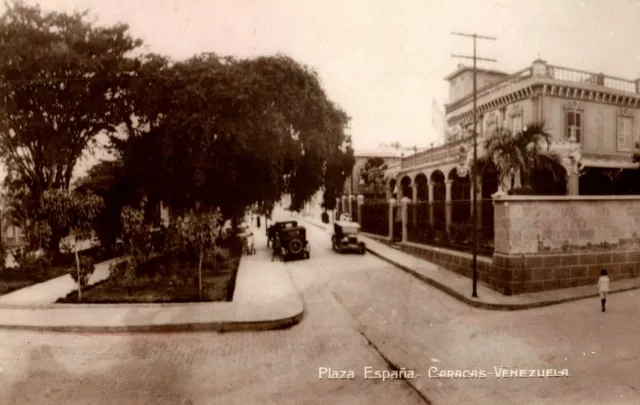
299 202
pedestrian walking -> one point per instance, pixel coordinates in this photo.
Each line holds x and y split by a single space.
258 221
603 287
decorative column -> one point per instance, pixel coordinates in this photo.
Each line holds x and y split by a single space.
350 199
404 203
448 208
573 184
360 204
400 189
392 203
572 162
431 202
415 203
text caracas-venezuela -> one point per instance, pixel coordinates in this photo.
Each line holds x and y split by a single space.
328 373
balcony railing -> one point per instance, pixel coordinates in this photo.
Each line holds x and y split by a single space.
436 154
490 88
556 73
581 76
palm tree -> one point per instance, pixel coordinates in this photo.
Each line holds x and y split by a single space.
517 156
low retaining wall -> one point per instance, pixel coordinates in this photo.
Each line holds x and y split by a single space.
550 242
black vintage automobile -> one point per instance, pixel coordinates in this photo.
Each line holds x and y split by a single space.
291 242
345 237
272 230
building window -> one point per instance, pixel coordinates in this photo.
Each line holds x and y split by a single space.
624 132
574 125
516 123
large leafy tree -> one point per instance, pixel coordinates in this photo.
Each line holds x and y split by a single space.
62 81
233 133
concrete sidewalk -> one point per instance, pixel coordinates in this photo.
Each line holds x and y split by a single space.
460 287
49 291
264 298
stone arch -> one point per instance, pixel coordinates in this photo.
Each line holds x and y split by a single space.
406 185
627 182
439 200
460 197
422 186
549 182
595 181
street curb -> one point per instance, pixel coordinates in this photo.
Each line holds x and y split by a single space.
291 315
479 304
220 327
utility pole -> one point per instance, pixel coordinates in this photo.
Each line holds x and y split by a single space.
474 169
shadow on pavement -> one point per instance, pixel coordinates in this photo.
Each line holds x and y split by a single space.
141 369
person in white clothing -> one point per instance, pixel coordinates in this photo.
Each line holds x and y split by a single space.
603 287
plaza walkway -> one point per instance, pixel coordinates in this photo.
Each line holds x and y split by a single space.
264 298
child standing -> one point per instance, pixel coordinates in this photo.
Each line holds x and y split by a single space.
603 287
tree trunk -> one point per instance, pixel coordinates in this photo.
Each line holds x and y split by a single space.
518 179
200 273
75 252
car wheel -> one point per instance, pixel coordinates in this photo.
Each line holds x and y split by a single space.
296 246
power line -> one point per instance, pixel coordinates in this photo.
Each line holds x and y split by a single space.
474 174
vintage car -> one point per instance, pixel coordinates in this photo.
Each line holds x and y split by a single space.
290 242
272 230
345 237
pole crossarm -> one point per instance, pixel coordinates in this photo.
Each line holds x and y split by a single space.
461 34
471 57
474 181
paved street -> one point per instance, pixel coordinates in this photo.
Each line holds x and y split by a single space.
356 308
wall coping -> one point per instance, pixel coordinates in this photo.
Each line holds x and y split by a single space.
562 198
451 252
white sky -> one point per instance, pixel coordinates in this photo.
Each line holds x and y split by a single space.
384 61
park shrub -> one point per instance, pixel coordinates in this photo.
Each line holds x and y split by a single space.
31 261
87 267
137 235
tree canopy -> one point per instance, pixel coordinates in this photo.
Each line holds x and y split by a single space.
62 79
219 131
235 132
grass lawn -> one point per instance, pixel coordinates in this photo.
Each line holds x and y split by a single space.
165 279
15 278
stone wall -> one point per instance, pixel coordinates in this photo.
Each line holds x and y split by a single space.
545 243
458 262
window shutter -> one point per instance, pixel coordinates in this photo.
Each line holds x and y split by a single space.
621 133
